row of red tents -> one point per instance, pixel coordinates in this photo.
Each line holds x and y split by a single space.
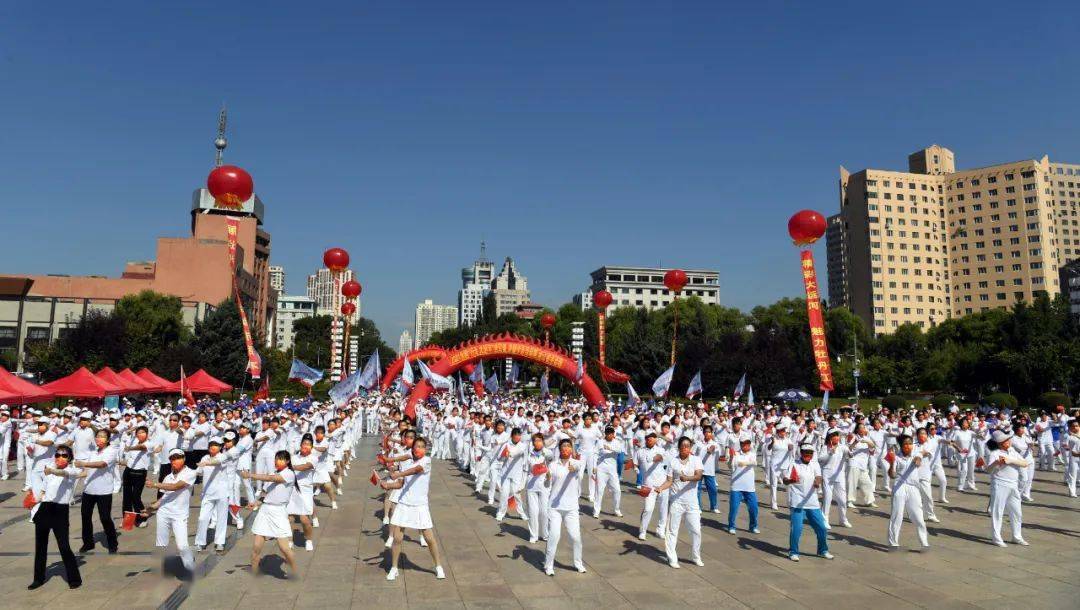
106 382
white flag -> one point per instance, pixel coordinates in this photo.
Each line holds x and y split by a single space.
437 381
695 386
407 374
660 386
632 399
825 402
739 387
750 397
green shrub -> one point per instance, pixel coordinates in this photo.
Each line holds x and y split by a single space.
1048 401
942 401
1001 400
894 402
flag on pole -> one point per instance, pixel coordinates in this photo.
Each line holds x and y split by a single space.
460 390
437 381
185 391
263 392
344 390
580 370
695 386
492 383
739 388
478 372
304 373
632 400
407 374
662 383
369 378
825 402
544 389
750 396
511 381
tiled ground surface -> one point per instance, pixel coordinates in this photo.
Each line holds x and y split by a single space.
492 565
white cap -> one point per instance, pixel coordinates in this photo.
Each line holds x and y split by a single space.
86 415
806 447
43 420
1000 436
176 453
216 441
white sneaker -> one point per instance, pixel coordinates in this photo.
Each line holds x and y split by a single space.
580 567
944 501
339 492
314 522
4 478
674 564
533 540
1021 541
731 530
239 523
290 544
333 505
793 557
755 531
618 513
423 541
386 520
309 546
846 523
550 571
1000 543
933 519
641 536
698 562
716 510
827 555
850 504
596 514
439 573
392 574
389 542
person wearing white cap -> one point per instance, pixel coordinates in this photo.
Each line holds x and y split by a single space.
781 456
906 497
98 491
1004 467
742 483
833 459
173 506
803 480
41 448
6 426
216 489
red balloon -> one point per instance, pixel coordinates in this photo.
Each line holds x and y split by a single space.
335 259
547 320
348 309
351 289
230 186
602 299
675 280
806 227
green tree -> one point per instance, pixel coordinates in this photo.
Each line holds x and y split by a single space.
219 339
153 322
99 339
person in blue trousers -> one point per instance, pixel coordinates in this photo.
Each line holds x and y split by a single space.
803 481
742 484
709 452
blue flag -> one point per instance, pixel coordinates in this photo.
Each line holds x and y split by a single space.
511 381
478 372
492 383
346 389
304 373
662 383
695 386
369 378
739 388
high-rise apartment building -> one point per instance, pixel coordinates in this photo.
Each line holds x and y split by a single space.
475 285
289 310
644 286
322 289
277 278
431 318
405 343
1070 285
934 242
509 288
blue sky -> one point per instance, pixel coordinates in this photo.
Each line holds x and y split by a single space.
566 134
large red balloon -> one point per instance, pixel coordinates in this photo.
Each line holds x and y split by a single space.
230 186
806 227
547 320
602 299
335 259
675 280
348 309
351 289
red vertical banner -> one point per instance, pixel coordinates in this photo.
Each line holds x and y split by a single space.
601 323
232 227
817 322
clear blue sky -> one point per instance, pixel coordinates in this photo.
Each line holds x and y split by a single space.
566 134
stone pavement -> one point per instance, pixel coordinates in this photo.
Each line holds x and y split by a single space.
492 565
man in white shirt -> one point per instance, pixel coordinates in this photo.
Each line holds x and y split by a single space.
173 507
651 463
742 482
803 481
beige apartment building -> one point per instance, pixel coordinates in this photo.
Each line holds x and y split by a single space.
934 242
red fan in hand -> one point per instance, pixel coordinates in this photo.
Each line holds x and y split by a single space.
539 470
890 457
129 521
374 478
29 500
630 465
234 509
979 463
644 491
505 452
794 475
512 502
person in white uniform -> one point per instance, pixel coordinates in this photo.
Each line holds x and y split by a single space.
511 477
173 506
272 520
563 480
803 481
1071 449
536 492
55 491
742 488
685 473
607 471
97 494
833 460
302 501
412 511
214 503
651 462
1004 465
906 498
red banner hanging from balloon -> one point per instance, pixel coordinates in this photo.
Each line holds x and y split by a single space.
254 367
817 322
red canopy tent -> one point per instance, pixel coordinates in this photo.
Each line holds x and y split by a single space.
110 376
160 383
16 389
201 382
81 384
129 376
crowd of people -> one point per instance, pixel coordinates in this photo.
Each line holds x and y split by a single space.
530 458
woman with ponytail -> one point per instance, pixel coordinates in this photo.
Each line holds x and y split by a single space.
272 520
302 501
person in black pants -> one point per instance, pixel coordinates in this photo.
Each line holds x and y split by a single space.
136 460
57 488
101 471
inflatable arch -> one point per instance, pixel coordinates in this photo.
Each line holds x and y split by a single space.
428 352
506 345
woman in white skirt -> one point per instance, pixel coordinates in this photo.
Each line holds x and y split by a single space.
272 520
323 464
302 501
413 480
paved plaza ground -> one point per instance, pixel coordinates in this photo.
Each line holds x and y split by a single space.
493 565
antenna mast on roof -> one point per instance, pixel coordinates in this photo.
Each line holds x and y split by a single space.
220 142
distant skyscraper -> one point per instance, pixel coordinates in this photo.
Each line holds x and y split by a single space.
277 278
475 284
584 300
510 288
320 287
643 287
289 310
404 343
431 318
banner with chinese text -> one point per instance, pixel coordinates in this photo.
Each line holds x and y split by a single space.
817 322
232 226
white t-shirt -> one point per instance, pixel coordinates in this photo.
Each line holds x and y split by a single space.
279 493
565 485
742 473
801 493
177 503
685 492
414 491
99 481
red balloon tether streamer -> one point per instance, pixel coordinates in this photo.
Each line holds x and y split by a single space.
805 228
